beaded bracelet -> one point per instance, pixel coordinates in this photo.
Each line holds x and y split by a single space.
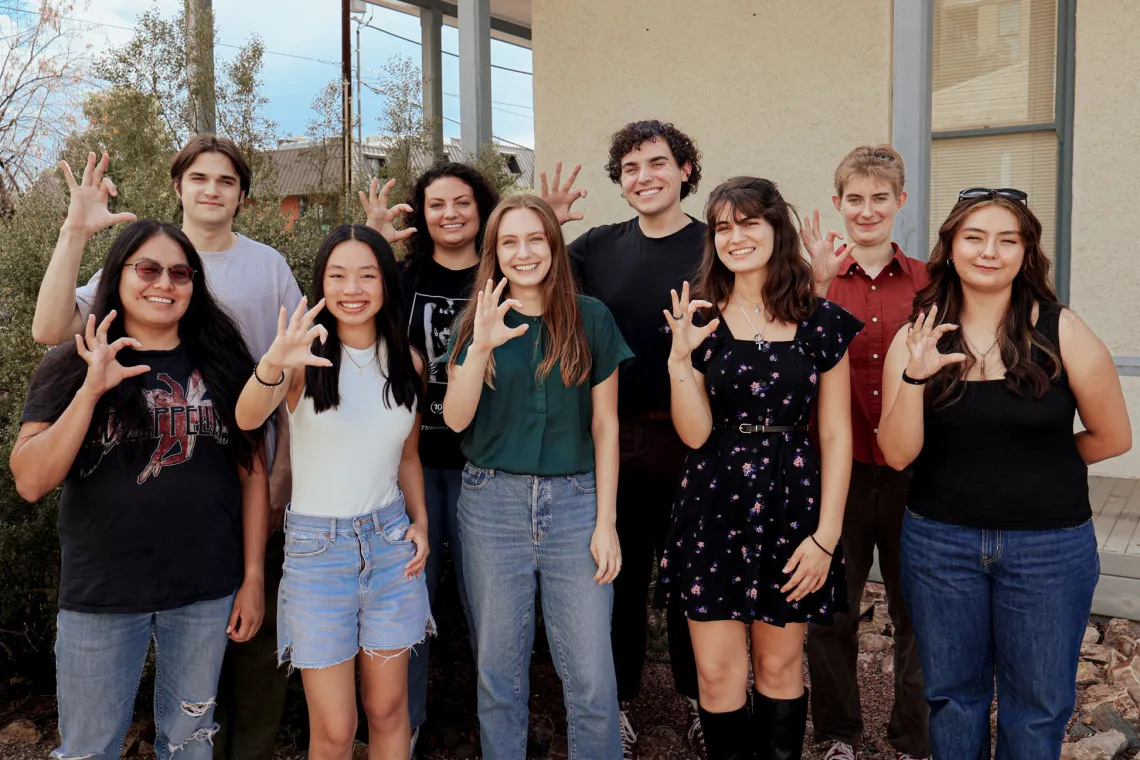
264 384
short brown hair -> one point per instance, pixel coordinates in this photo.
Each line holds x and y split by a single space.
878 161
206 143
632 135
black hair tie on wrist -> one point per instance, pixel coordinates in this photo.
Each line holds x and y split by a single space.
817 543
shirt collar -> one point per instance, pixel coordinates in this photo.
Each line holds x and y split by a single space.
896 261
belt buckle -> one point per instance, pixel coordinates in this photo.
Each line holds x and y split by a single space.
747 428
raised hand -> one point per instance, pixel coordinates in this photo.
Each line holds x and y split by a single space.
293 346
825 258
379 217
686 335
922 342
490 329
562 197
87 211
104 371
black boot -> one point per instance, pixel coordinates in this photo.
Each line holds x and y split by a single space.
778 726
727 735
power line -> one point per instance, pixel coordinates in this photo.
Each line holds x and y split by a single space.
445 52
445 118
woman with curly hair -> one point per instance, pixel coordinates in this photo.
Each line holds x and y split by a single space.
999 558
450 204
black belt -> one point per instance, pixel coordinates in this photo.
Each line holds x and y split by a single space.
749 429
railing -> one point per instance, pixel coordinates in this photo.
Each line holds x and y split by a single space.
1128 365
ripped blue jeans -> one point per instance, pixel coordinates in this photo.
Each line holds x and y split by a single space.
99 665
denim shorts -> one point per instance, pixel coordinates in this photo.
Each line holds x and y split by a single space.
344 588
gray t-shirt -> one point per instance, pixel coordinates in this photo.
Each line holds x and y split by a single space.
251 280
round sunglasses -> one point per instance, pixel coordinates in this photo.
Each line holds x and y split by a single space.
151 271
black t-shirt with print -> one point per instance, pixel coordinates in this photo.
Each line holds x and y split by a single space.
435 297
153 523
632 274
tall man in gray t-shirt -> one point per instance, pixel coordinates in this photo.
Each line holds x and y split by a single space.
253 282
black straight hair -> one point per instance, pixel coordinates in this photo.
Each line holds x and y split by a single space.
402 383
215 344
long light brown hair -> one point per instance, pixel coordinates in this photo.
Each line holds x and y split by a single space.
787 291
563 330
1017 335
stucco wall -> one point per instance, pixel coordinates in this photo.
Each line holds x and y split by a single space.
1105 271
766 87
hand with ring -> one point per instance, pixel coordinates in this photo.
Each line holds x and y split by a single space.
686 335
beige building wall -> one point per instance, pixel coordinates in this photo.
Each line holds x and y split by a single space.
766 87
1105 268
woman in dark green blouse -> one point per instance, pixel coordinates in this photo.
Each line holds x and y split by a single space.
533 382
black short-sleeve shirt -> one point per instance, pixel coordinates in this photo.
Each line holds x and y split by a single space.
152 523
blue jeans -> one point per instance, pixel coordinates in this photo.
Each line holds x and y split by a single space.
99 665
522 534
1010 602
441 491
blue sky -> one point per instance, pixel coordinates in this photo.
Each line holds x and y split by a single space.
311 29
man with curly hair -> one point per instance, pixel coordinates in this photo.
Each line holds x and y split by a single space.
631 267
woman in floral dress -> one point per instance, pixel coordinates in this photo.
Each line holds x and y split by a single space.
757 520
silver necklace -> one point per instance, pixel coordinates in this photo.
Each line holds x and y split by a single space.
980 354
755 306
757 335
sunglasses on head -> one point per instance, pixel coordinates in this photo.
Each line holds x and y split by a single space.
151 271
977 193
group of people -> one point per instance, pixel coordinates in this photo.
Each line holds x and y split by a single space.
695 396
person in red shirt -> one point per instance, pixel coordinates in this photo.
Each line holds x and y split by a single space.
871 277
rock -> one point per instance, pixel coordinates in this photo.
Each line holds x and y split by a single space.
1104 746
1114 695
872 642
1092 636
541 732
1118 630
1125 672
1087 673
20 732
559 750
888 666
1079 731
865 659
359 751
1104 719
146 750
1098 653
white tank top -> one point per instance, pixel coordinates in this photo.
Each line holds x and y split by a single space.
345 460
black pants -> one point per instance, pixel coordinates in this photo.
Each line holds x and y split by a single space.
876 502
651 460
252 688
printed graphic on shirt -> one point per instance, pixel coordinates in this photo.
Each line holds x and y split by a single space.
437 313
178 416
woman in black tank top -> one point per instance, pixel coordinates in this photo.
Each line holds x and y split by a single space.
999 558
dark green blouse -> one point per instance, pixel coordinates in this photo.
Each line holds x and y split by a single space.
529 426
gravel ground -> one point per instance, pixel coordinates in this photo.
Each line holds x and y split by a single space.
660 716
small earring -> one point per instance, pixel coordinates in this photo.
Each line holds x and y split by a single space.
949 262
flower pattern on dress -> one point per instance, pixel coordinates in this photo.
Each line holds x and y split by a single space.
726 551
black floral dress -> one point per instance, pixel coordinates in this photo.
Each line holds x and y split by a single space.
747 501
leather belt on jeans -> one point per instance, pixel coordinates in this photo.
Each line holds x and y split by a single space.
749 429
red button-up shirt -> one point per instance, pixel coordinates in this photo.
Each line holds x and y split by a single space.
883 304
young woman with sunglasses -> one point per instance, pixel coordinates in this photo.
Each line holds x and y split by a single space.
753 555
165 506
534 383
356 540
999 558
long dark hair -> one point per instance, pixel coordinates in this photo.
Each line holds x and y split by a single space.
787 292
1017 337
561 317
421 246
208 333
402 383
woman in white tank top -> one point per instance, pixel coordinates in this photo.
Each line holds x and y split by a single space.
356 538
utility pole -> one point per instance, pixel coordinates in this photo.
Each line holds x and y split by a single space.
346 100
200 63
359 90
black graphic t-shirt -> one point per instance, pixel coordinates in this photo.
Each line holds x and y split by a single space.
151 523
435 297
632 275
